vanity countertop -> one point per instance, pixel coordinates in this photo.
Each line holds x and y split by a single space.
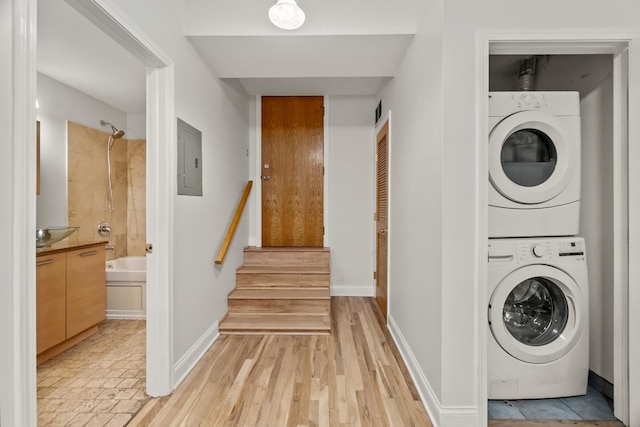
68 244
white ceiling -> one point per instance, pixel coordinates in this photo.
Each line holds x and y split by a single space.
345 48
73 51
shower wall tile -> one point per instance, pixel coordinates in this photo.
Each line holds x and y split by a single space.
79 138
80 167
88 187
136 197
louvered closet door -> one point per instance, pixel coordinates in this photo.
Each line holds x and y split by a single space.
382 209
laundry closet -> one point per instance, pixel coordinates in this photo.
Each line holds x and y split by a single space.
592 77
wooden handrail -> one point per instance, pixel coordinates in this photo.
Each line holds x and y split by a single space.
234 224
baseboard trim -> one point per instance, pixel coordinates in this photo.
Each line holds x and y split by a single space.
352 291
123 314
441 416
459 416
428 397
192 357
601 384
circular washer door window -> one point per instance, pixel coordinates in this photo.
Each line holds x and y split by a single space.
536 314
529 157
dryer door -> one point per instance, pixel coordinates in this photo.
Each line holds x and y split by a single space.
537 314
529 157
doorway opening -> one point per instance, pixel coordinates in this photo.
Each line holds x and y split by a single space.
599 74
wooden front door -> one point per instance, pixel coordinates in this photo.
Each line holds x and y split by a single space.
292 171
382 215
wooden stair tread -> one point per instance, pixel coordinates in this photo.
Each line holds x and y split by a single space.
281 293
286 249
251 269
280 322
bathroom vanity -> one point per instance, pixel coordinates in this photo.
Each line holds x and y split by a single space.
70 295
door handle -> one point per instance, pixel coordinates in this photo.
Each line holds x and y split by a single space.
383 231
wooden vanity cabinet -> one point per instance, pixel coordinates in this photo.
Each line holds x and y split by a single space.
71 297
86 289
50 301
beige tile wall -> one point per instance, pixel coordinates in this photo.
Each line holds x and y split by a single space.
136 197
87 188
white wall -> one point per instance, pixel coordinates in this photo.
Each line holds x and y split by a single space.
136 125
57 104
451 288
416 287
351 194
591 75
221 112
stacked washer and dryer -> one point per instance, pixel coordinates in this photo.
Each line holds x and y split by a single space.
538 338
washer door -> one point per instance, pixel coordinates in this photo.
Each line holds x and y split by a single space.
529 157
537 314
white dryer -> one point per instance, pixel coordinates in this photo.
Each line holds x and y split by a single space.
538 333
534 164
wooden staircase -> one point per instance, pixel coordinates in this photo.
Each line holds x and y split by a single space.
280 291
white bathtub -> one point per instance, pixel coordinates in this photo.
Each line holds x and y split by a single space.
126 287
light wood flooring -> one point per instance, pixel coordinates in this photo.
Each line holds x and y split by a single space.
353 377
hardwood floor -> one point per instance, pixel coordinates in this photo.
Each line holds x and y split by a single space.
353 377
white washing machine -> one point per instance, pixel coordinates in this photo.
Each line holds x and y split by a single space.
538 334
534 164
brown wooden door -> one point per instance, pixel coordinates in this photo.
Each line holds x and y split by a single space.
292 171
382 215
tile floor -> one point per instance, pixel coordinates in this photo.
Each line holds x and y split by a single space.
99 382
592 406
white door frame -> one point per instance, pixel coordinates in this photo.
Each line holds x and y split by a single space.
624 46
18 296
19 405
161 185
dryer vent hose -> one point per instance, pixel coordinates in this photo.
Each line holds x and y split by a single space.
527 73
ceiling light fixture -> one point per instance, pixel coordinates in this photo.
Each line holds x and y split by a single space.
286 14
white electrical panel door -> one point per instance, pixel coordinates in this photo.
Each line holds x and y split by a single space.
189 160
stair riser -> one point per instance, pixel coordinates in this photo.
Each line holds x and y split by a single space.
286 259
280 306
281 280
272 332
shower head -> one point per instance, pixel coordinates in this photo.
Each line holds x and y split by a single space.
116 134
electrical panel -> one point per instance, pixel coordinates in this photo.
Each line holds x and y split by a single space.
189 160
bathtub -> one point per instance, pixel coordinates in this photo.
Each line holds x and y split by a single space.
126 287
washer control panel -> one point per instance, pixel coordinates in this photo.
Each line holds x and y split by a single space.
540 250
536 250
543 250
571 248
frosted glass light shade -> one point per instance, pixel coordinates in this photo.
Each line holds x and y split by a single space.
286 14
